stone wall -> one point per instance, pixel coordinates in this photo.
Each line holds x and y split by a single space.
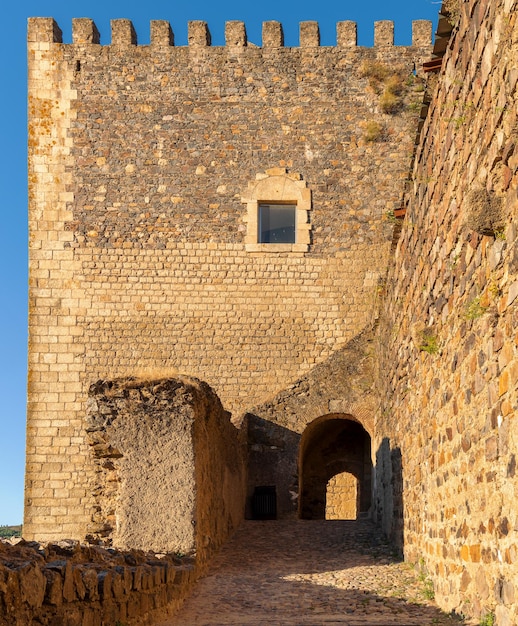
170 466
446 434
142 164
142 262
66 583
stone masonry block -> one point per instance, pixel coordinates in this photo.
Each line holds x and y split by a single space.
309 35
84 31
43 30
123 33
421 33
273 36
161 33
346 34
235 34
384 33
198 34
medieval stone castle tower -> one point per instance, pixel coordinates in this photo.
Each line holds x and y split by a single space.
219 311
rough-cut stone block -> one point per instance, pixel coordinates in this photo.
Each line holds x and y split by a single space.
161 33
421 33
198 34
346 34
84 31
309 35
190 423
43 30
384 33
123 33
54 588
273 36
235 34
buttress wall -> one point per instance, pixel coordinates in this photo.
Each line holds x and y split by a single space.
448 340
170 466
147 164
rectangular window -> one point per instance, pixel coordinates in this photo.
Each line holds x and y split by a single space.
277 223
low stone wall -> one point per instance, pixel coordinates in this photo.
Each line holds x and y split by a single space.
67 583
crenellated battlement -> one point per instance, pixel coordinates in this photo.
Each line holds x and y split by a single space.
84 32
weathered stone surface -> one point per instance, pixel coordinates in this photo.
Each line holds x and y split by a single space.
179 459
338 389
88 586
459 491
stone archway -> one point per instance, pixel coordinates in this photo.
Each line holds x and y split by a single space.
331 445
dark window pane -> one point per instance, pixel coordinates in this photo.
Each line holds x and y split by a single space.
277 223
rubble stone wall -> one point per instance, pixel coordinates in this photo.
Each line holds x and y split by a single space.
446 434
66 583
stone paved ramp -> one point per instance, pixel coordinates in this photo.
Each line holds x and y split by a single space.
308 573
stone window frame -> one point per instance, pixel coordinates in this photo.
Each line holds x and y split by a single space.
278 186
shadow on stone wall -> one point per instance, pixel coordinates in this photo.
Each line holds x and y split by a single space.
271 451
330 445
388 493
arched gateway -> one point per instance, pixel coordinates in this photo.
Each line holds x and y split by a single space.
335 468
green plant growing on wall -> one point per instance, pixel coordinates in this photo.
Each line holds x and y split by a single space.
389 102
429 344
493 289
459 121
376 72
487 620
390 99
428 590
391 216
463 109
425 339
454 261
474 309
415 106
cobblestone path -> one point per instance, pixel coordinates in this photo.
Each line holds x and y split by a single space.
309 573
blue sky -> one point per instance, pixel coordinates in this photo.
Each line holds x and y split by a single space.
13 157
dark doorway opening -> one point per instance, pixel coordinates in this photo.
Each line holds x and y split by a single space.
335 469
